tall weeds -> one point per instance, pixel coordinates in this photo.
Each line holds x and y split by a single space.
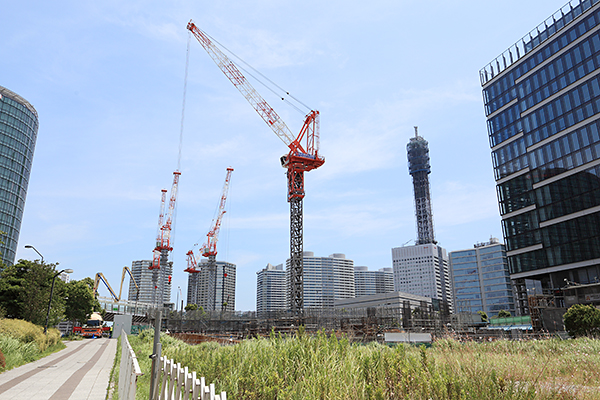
22 342
325 367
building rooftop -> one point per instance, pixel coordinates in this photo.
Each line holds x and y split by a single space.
9 93
547 29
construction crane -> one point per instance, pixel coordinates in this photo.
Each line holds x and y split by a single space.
101 278
163 237
209 248
302 157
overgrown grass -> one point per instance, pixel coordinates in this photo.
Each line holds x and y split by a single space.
22 342
324 367
113 383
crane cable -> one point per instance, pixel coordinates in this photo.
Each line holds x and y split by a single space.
185 79
266 78
187 63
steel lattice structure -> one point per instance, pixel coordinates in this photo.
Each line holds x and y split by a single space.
419 169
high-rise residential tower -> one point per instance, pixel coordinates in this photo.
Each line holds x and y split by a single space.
159 295
419 169
542 102
18 134
481 280
367 282
198 286
271 289
325 279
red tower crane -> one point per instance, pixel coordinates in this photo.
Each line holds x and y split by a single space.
163 236
302 157
209 248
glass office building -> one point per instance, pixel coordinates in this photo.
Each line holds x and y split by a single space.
542 102
18 133
481 279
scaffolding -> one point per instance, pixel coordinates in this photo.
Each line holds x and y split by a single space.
419 169
357 324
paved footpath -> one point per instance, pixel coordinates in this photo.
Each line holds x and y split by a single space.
79 372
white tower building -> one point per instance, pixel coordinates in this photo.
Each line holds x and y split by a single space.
367 282
423 270
271 289
325 279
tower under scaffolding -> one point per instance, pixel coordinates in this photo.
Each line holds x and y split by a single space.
419 168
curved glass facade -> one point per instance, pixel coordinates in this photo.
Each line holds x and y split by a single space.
18 133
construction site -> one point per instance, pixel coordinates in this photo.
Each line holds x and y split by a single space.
211 284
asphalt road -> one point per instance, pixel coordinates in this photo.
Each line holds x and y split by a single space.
79 372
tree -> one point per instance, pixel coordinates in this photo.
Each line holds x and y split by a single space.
484 316
25 292
582 320
504 314
191 307
80 301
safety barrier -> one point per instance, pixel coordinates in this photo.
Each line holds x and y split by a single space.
178 383
129 370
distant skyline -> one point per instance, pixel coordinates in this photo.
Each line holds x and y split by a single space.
107 82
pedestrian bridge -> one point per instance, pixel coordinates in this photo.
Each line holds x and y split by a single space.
137 309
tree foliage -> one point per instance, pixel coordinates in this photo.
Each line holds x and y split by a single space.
582 320
504 314
25 292
80 301
484 316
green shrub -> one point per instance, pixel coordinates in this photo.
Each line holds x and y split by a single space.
582 320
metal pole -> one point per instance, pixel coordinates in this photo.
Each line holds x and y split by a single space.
155 358
50 301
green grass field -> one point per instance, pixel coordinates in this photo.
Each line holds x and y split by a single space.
325 367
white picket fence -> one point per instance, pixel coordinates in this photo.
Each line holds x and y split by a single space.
179 384
129 370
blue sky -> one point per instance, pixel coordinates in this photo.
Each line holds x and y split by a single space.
107 81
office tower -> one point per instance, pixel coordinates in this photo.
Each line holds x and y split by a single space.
141 272
325 279
270 289
18 133
481 279
367 282
542 99
197 292
423 270
419 168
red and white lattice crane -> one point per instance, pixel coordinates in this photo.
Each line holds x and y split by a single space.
302 157
209 248
163 237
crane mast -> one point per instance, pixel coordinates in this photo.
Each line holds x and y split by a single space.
163 239
302 157
209 248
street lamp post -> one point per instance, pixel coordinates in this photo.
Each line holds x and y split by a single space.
68 271
28 246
